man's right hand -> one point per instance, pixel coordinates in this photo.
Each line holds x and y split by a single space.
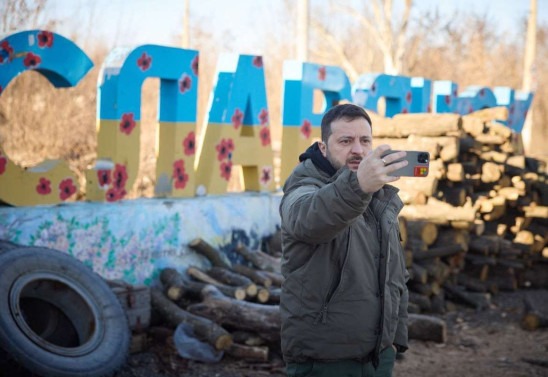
373 170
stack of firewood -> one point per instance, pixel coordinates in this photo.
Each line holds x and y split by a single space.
233 307
479 222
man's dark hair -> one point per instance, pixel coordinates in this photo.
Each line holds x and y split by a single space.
348 111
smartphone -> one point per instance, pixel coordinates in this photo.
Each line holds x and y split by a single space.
419 163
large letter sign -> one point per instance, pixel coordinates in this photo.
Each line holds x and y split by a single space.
396 90
238 128
120 113
300 124
64 65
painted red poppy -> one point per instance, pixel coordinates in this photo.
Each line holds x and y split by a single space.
322 72
1 89
119 176
429 108
114 194
263 117
224 149
408 97
185 83
482 92
237 118
44 186
195 64
189 144
66 189
265 136
3 163
404 110
258 61
4 45
32 60
45 39
180 178
127 124
373 88
266 175
306 129
103 177
448 99
144 62
226 168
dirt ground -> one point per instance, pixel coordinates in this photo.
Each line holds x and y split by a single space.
480 343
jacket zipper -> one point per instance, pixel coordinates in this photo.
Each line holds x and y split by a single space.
322 315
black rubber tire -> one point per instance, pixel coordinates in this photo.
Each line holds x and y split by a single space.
7 245
59 318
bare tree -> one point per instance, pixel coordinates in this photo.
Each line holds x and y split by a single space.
388 33
528 71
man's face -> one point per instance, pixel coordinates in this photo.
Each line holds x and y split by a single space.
348 143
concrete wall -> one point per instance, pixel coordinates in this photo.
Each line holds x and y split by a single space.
133 239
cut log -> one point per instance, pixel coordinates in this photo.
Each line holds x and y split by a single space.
247 338
424 230
238 293
255 275
438 212
438 252
216 257
428 124
475 300
418 273
203 328
422 301
425 327
276 277
490 114
491 172
226 276
241 315
259 259
535 311
253 353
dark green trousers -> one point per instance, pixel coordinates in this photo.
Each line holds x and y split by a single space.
345 368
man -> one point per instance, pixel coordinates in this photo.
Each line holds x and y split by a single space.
344 299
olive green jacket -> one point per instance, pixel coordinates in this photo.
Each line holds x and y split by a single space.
345 293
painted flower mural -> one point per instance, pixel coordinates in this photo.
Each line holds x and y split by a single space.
144 62
306 129
66 189
45 39
44 186
180 178
32 60
185 83
189 144
127 124
237 118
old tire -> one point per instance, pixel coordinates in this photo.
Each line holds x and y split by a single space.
58 317
7 245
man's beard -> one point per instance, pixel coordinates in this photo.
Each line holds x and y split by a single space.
337 164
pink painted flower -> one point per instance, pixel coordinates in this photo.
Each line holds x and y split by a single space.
45 39
258 61
265 136
322 73
185 83
32 60
66 189
3 163
103 177
224 149
144 62
237 118
266 175
1 89
4 45
179 174
189 144
408 97
447 100
226 168
404 110
306 129
374 88
482 92
119 176
195 64
127 124
44 186
114 194
263 117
